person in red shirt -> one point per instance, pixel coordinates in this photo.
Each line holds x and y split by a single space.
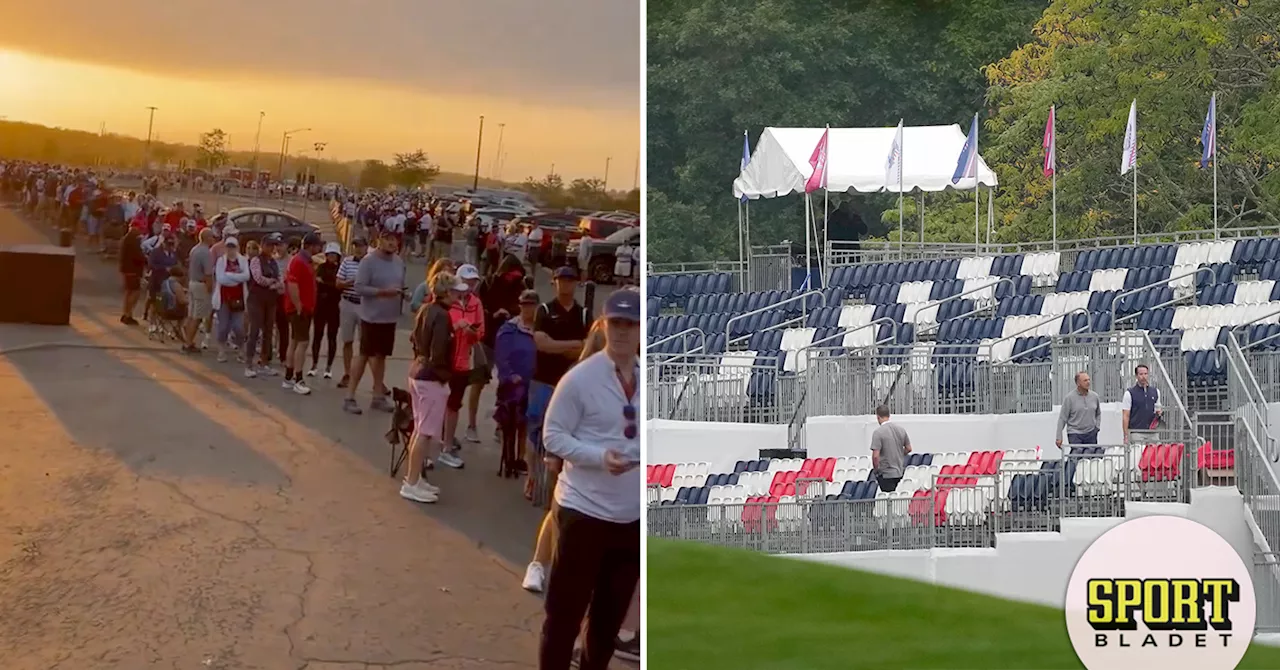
173 218
300 307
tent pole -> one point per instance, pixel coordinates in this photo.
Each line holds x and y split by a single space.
826 242
977 194
991 214
922 218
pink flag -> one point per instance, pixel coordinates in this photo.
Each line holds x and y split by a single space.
1050 146
818 161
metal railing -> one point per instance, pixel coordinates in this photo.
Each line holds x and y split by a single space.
874 251
1255 474
709 387
1115 302
944 511
803 298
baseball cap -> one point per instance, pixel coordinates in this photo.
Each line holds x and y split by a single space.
623 304
230 229
273 238
332 248
312 239
566 272
468 271
529 297
231 242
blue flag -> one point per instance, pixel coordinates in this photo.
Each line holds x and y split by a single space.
1209 136
746 157
967 165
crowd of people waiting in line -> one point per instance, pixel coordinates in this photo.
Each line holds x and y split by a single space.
566 388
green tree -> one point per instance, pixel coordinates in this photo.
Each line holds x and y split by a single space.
413 169
717 67
212 150
376 175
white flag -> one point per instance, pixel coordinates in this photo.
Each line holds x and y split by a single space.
893 167
1130 159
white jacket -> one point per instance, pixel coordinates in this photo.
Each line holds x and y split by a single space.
224 278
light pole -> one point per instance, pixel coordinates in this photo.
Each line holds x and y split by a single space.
605 187
257 144
497 152
151 122
284 147
475 183
306 181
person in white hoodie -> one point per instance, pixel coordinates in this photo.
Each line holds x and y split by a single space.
231 274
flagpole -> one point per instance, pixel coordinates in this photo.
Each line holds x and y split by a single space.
991 214
741 260
1053 140
902 158
826 203
746 219
1213 101
1135 197
922 218
808 249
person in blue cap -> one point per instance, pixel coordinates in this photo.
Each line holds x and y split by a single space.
592 423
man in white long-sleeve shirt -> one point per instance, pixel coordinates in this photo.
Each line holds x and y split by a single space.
592 424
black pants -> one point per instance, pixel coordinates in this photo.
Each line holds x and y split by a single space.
282 332
597 565
1082 438
326 325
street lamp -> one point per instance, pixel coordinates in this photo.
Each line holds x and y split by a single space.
284 147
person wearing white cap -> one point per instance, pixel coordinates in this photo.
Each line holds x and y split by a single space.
231 272
328 306
467 316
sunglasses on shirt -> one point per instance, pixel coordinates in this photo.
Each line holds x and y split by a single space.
631 430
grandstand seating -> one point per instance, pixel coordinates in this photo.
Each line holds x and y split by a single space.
1011 305
966 488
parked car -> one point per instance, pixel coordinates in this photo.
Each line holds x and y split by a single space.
255 223
598 256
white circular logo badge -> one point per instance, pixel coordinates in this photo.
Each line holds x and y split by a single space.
1160 592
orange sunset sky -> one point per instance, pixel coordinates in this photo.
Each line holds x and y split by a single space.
370 77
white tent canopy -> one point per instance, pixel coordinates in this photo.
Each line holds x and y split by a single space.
856 161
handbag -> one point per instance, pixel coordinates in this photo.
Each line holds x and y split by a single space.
479 357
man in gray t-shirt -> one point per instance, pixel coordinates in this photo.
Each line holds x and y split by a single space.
200 276
889 448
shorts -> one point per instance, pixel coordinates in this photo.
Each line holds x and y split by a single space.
428 407
348 321
132 282
300 327
481 374
888 484
458 389
201 304
377 340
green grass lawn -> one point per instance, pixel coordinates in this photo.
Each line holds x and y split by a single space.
711 608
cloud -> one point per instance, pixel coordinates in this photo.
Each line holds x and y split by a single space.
581 52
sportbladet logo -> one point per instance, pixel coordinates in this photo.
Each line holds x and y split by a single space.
1160 591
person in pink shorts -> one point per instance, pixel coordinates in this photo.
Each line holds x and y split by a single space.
429 377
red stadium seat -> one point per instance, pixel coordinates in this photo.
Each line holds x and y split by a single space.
972 479
944 475
829 469
648 474
668 473
918 508
940 507
789 477
777 479
1208 458
807 468
976 457
789 490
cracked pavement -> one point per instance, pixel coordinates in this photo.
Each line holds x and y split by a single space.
158 511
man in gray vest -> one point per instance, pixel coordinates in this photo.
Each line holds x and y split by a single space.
1140 408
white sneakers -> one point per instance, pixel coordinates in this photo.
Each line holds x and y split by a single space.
420 492
535 578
